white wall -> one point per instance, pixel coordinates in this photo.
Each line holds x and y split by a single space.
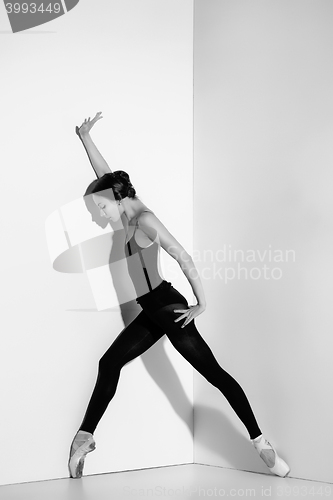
263 181
133 61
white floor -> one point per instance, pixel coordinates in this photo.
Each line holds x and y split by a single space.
180 482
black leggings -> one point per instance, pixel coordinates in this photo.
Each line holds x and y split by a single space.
155 320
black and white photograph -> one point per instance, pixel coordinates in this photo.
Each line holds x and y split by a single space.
167 229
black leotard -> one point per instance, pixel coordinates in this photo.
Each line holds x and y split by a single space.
142 264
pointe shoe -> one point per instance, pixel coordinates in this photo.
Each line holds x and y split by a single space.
270 457
82 444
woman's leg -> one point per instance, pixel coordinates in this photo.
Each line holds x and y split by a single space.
134 340
196 351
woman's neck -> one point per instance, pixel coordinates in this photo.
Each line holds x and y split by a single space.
132 208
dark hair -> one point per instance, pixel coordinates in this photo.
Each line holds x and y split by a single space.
118 181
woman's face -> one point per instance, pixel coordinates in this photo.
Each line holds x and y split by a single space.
108 208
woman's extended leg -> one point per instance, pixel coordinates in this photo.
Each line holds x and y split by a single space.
193 347
196 351
133 341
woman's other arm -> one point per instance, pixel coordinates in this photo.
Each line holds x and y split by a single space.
97 161
151 225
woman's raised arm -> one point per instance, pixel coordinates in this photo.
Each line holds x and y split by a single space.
97 161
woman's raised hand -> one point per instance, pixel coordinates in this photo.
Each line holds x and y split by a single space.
88 124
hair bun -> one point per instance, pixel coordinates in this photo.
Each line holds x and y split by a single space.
123 175
119 182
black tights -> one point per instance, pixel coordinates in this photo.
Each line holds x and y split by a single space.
155 320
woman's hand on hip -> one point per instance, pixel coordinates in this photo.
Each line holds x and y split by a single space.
88 124
190 313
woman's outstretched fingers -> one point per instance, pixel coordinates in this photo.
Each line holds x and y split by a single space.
185 315
97 116
190 313
87 124
179 311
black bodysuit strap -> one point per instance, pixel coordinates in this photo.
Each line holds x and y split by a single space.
139 250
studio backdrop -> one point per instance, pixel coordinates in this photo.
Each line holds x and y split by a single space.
221 113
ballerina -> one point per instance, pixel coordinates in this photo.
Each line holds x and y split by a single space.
165 311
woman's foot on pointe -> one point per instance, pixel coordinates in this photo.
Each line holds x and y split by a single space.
270 457
82 444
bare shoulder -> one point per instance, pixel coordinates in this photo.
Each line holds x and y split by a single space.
154 228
